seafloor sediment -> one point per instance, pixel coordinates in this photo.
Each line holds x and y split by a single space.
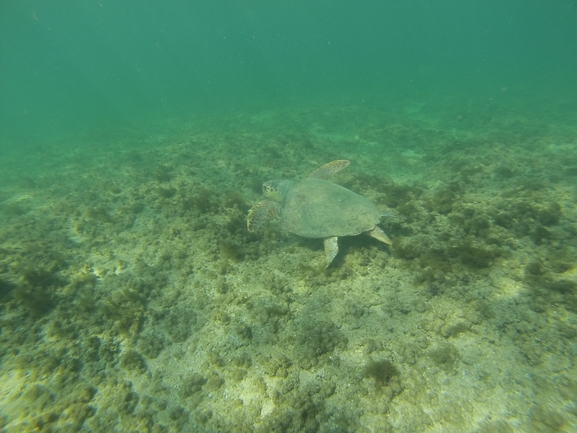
132 297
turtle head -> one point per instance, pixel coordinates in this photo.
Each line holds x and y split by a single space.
274 189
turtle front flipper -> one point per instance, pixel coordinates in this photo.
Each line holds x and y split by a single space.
330 168
331 249
261 213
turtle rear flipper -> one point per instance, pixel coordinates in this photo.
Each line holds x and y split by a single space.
377 233
330 168
261 213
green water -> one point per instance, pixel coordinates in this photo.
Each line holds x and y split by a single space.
134 139
92 63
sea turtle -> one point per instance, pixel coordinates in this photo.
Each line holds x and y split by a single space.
315 207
